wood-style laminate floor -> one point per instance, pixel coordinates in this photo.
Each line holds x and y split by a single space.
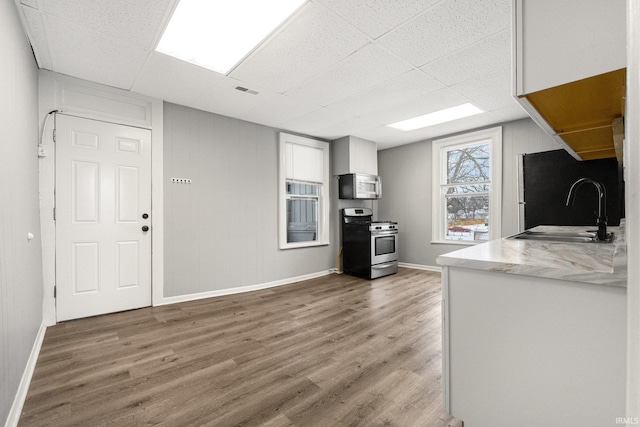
332 351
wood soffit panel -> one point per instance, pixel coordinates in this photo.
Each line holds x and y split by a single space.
582 112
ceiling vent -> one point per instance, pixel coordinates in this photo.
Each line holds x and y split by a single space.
244 89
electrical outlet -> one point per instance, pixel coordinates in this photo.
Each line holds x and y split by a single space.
181 180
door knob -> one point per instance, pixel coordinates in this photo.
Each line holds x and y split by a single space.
145 228
145 215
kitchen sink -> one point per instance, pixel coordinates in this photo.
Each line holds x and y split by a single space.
587 236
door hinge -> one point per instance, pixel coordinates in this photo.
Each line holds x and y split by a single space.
54 134
55 291
54 214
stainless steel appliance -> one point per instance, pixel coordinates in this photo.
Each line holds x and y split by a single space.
369 248
359 186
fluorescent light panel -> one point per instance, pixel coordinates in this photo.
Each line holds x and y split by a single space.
438 117
217 34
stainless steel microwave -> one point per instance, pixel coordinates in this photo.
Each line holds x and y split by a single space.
359 186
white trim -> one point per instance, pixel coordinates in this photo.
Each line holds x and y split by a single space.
157 202
420 267
446 351
439 172
25 381
242 289
325 196
632 192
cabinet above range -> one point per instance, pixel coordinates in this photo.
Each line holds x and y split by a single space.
569 71
354 155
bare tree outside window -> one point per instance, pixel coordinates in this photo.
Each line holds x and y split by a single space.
468 206
466 192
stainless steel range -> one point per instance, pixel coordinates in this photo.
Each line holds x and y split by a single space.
369 248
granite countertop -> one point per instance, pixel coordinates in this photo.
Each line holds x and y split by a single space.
596 263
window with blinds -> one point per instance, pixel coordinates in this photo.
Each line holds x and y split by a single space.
304 192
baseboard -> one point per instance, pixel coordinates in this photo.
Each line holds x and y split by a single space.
231 291
23 388
420 267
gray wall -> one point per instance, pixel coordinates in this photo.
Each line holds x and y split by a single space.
406 173
20 260
221 231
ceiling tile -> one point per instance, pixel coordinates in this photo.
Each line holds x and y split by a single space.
416 106
510 113
494 89
476 60
81 52
446 28
376 17
277 110
30 3
173 80
135 22
224 99
348 127
390 92
315 121
366 68
311 42
357 58
377 133
497 101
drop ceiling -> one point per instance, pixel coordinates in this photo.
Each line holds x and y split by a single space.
335 68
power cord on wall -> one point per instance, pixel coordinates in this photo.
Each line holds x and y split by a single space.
41 147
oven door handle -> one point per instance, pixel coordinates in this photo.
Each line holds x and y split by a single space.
383 266
383 233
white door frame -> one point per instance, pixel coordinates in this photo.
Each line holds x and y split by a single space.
94 101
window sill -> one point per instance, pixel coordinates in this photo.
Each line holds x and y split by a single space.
302 245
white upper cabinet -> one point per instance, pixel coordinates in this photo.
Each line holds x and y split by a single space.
354 155
558 42
569 71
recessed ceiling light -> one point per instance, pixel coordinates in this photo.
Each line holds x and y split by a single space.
437 117
218 34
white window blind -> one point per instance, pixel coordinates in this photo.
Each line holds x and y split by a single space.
303 192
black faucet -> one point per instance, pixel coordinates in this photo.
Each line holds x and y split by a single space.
602 203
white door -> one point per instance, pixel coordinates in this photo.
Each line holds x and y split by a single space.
103 217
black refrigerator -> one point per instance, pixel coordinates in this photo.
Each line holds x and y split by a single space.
544 183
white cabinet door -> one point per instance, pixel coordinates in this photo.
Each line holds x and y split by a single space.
103 194
529 351
558 42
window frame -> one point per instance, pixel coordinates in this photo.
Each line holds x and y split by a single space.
493 137
324 199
